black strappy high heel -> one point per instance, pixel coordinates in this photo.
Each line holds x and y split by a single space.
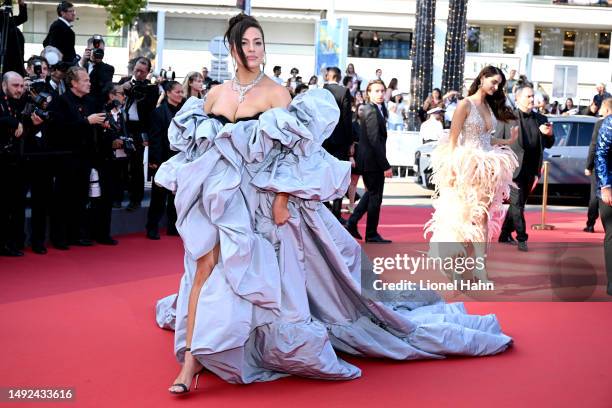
185 388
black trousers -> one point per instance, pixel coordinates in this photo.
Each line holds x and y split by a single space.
370 202
515 218
40 173
12 205
70 198
101 208
161 200
120 177
136 175
605 211
593 211
340 153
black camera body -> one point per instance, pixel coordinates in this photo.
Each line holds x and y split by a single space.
139 89
38 104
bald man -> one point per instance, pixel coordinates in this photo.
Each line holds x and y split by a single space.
12 204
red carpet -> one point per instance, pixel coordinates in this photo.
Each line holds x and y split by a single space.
85 319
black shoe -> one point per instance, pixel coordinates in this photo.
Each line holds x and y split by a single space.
153 234
8 251
522 246
377 239
61 246
84 242
172 232
107 241
352 229
589 228
506 239
39 249
132 206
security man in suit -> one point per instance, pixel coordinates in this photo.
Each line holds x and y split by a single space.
61 35
372 161
535 135
341 139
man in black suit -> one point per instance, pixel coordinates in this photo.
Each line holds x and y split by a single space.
15 42
593 212
341 139
535 135
372 161
100 73
72 129
141 101
61 35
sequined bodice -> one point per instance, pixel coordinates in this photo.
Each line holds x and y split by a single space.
474 132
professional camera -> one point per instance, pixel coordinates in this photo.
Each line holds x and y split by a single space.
36 84
139 89
97 52
38 104
167 75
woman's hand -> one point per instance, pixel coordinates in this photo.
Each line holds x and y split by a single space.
280 212
514 133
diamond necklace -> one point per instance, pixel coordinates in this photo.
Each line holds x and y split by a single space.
243 89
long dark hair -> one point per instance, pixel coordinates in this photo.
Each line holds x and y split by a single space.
497 101
235 31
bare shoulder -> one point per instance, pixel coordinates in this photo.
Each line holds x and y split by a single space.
464 106
213 95
279 96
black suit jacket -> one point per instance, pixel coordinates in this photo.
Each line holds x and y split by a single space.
159 146
372 141
590 163
503 131
13 58
101 75
70 130
61 37
339 143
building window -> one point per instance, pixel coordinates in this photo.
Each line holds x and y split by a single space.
365 43
565 81
571 43
603 48
491 39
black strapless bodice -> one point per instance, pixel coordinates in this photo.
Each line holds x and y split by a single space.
225 120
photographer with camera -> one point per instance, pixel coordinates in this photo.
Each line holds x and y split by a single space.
141 101
13 42
12 178
159 152
72 128
38 155
100 73
61 35
112 145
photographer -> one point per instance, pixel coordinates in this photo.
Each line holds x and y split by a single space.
111 145
73 123
38 155
159 152
12 204
15 42
57 70
141 101
61 35
100 73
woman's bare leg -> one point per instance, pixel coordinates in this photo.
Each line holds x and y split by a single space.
191 366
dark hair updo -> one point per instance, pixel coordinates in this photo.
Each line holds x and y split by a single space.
497 101
235 31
